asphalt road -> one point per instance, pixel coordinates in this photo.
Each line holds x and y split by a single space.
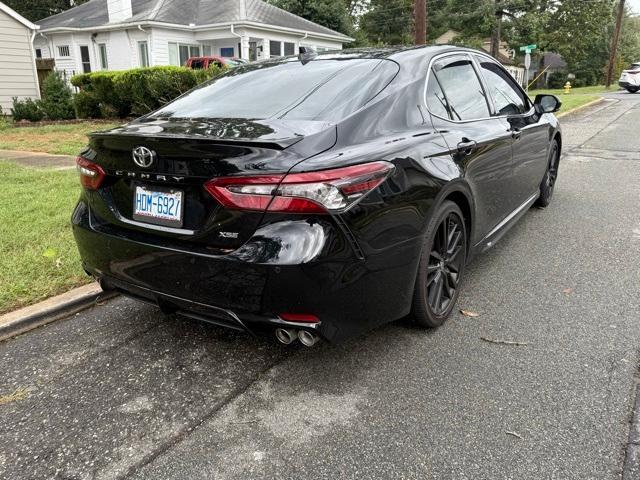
120 391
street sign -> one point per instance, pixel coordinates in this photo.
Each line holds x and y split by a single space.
528 48
527 61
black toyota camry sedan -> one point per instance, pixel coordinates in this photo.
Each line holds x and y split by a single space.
317 196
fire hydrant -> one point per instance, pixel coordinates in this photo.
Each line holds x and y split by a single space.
567 87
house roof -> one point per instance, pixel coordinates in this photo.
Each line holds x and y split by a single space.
189 13
16 16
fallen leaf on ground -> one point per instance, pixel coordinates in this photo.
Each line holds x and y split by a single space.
58 262
513 434
49 253
567 291
469 313
19 394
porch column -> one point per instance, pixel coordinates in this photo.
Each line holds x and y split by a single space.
266 49
244 47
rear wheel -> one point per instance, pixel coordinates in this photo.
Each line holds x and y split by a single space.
550 176
441 266
632 89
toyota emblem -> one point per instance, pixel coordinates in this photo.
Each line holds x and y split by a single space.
143 156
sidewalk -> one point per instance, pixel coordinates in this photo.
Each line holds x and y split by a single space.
39 159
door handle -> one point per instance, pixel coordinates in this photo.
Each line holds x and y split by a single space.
467 146
516 133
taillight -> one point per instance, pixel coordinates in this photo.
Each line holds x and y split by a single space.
323 191
91 174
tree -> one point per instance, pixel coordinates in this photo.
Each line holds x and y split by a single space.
332 14
388 22
35 10
581 32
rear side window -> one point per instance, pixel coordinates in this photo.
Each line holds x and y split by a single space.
322 90
462 88
436 101
507 97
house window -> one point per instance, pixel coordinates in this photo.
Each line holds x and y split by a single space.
179 53
85 59
206 50
102 48
38 53
143 54
227 52
64 51
289 48
275 49
279 49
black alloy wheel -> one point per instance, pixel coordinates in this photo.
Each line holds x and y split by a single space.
441 266
550 176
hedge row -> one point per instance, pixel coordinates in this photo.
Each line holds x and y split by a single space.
133 92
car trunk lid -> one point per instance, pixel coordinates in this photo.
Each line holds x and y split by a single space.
183 155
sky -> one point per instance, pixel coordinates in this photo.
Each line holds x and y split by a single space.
635 5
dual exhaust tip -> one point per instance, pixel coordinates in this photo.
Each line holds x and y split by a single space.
289 335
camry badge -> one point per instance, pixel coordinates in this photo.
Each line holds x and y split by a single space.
143 156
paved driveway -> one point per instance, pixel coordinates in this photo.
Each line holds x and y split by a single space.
120 391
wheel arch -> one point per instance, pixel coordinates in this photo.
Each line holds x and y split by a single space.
459 193
557 136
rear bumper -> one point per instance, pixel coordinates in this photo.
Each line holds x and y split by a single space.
247 288
628 85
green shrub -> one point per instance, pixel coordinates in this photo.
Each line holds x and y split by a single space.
86 105
137 91
556 79
57 99
26 109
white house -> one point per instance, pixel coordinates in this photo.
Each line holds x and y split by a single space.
18 75
121 34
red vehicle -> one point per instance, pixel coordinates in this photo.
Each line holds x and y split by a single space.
205 62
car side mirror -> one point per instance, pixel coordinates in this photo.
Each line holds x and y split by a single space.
547 103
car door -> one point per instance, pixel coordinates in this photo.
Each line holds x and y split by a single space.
479 142
530 135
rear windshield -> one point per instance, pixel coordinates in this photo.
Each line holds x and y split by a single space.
322 90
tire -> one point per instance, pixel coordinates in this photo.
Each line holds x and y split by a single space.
550 176
441 266
632 89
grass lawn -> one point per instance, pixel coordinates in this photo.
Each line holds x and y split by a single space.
38 256
64 139
577 97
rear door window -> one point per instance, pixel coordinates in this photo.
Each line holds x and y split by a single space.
461 87
436 101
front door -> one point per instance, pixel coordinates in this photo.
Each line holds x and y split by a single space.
85 59
479 143
530 137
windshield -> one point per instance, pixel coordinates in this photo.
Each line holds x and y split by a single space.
321 90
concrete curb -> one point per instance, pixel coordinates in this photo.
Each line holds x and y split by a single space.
51 309
631 468
581 107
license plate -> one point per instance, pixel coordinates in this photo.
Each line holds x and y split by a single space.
158 206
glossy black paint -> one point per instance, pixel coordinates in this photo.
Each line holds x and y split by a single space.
355 270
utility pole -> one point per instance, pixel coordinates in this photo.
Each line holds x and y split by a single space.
614 42
497 31
420 20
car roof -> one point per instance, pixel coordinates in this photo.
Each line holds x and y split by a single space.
396 53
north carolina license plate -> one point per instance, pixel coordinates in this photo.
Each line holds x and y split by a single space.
160 207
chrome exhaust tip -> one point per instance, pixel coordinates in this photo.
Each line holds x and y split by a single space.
286 335
308 339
